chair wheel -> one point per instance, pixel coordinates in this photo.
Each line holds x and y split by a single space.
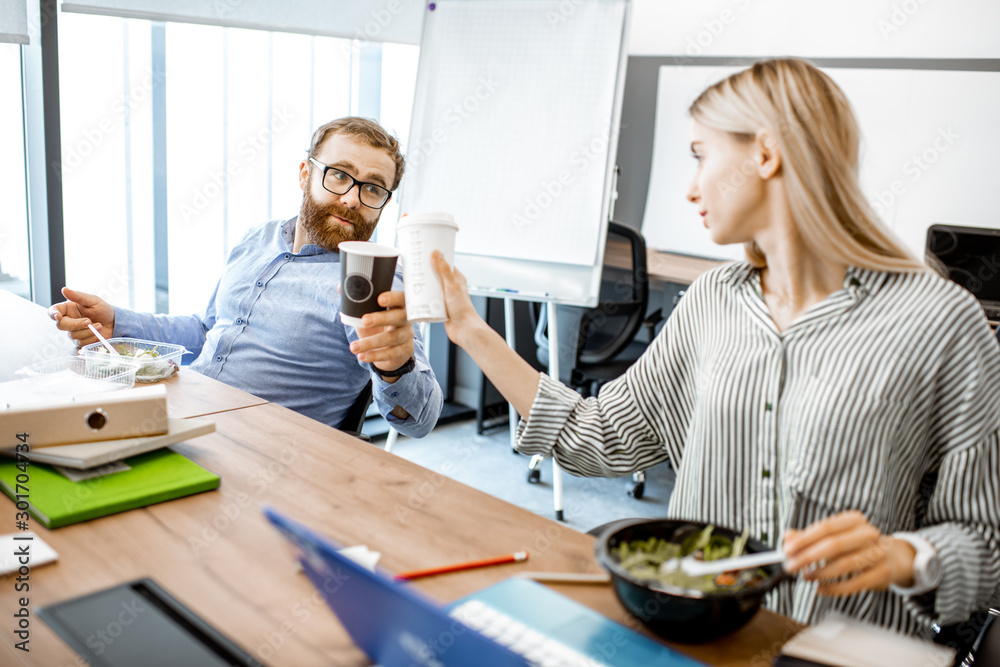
534 476
638 490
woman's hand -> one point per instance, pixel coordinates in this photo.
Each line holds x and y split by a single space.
848 555
462 315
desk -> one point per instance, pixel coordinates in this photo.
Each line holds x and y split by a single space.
663 267
217 554
191 394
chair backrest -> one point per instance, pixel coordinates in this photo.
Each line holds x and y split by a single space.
610 326
591 336
354 419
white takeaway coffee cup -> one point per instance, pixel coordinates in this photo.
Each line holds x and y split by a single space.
417 236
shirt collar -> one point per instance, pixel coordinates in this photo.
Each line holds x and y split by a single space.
863 282
737 273
287 233
858 282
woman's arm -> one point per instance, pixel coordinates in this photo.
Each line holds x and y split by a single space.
513 377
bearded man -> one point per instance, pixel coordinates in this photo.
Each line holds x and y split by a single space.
272 327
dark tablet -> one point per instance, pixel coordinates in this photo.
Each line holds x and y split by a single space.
139 623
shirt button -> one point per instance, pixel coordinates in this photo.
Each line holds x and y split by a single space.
288 256
260 284
239 321
219 358
395 394
855 282
765 473
767 406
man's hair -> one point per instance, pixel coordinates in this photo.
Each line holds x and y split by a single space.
368 132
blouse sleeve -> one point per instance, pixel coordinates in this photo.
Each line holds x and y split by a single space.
963 513
635 422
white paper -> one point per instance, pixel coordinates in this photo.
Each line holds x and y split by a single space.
39 553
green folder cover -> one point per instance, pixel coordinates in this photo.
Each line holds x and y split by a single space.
154 477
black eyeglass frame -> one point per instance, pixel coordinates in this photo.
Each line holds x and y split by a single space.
325 168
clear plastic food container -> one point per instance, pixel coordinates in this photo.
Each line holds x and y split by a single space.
157 361
74 375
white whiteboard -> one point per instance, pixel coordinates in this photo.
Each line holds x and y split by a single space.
928 144
514 132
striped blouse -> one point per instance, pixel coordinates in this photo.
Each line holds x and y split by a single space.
883 398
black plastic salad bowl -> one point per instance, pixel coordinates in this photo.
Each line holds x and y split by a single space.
676 613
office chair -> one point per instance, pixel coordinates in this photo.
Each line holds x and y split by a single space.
354 420
598 344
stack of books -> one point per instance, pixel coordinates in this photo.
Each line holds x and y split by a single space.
64 475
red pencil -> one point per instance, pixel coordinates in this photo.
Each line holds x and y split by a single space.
468 565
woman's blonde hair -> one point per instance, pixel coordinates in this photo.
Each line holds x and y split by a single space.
818 139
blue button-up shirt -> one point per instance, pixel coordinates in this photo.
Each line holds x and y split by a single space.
272 328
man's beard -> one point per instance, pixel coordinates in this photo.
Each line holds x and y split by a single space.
328 233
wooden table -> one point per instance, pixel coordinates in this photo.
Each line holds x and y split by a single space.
217 554
191 394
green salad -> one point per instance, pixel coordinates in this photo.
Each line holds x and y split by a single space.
151 366
649 560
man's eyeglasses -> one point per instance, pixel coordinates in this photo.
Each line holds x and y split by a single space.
340 183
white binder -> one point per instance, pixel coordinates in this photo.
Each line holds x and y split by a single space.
127 413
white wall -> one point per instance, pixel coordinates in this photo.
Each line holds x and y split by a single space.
808 28
929 137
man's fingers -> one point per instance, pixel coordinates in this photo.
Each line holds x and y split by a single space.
394 299
81 298
382 339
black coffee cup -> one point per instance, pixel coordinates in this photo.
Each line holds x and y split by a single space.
366 270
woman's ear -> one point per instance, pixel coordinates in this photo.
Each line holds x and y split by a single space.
767 155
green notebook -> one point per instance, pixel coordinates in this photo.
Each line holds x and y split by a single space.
55 501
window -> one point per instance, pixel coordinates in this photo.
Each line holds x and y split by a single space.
14 255
178 138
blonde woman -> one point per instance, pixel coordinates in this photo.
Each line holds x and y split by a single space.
830 394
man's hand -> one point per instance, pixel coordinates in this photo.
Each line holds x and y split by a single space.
386 339
80 310
847 546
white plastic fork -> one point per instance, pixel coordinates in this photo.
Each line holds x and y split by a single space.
696 568
104 341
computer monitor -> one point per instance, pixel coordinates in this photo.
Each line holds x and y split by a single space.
971 256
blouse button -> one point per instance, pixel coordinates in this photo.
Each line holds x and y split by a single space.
260 284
